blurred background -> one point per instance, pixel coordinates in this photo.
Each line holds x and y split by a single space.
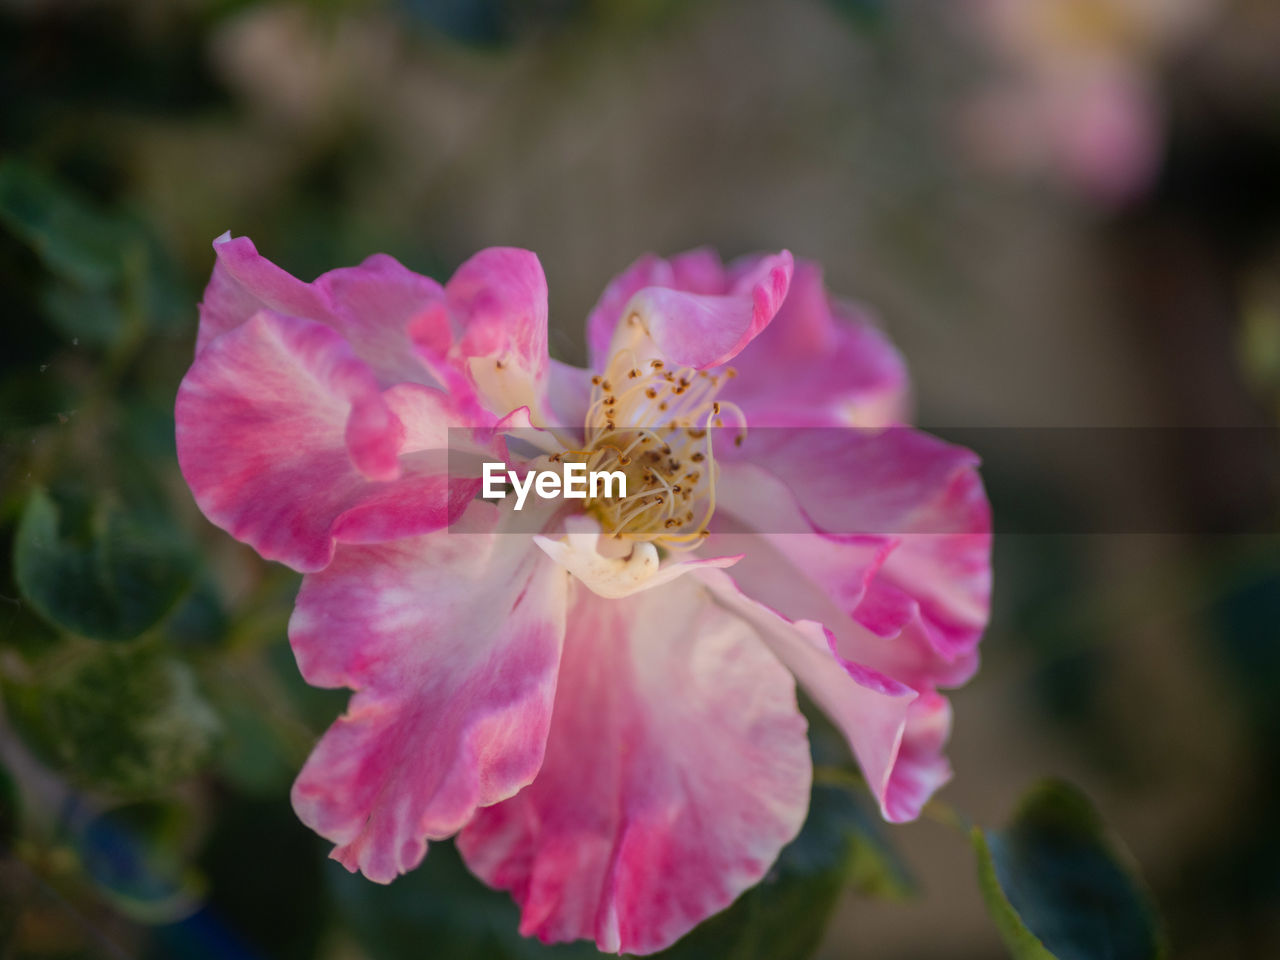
1065 213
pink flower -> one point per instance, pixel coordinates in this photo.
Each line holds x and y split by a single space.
603 710
1079 94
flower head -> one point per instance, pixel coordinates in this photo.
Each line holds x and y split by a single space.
596 696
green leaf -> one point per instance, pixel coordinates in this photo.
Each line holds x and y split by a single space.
108 576
126 720
1060 888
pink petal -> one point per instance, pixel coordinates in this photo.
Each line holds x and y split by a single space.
487 343
676 769
697 313
700 271
904 484
500 297
921 768
819 364
703 330
894 566
287 443
372 305
568 395
648 271
453 698
369 305
873 711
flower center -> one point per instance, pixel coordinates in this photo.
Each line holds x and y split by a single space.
657 426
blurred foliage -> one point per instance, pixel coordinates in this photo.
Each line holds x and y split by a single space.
138 855
129 721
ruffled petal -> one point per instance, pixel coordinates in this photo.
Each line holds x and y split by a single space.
676 769
705 330
923 494
819 364
287 442
921 768
453 696
881 538
372 305
874 712
696 312
369 305
488 341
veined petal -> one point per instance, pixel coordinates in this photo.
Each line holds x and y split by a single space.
488 340
676 769
898 747
921 768
452 642
434 488
287 442
697 312
894 576
706 330
369 305
900 484
372 305
819 364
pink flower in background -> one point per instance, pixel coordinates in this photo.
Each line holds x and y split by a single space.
597 697
1079 93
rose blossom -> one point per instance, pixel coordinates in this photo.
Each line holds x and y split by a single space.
601 706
